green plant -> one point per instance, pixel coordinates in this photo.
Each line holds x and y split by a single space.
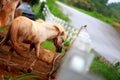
107 71
36 9
3 29
67 42
20 77
48 45
54 8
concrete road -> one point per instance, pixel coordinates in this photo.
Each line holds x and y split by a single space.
105 39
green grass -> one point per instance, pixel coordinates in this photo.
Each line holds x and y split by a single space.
54 8
36 9
107 71
48 45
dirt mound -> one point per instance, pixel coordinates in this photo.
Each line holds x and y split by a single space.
42 67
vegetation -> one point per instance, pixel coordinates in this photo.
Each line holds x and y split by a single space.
56 10
20 77
98 6
36 9
115 9
3 29
107 71
32 2
50 47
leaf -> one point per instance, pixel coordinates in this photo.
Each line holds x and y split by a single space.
28 77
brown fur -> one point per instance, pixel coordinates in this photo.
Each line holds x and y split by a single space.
24 30
18 12
1 4
7 12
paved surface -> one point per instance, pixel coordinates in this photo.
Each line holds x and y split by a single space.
105 39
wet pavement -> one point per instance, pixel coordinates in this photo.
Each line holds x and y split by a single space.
105 39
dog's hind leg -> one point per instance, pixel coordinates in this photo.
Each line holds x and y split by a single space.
37 51
28 56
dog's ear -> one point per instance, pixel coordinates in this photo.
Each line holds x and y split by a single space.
59 28
64 35
62 32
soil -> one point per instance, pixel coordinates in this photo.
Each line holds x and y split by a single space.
118 26
42 67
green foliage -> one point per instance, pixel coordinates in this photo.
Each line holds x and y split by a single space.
48 45
117 65
36 9
54 8
104 69
3 29
33 2
20 77
115 5
107 71
115 10
85 4
67 42
99 6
